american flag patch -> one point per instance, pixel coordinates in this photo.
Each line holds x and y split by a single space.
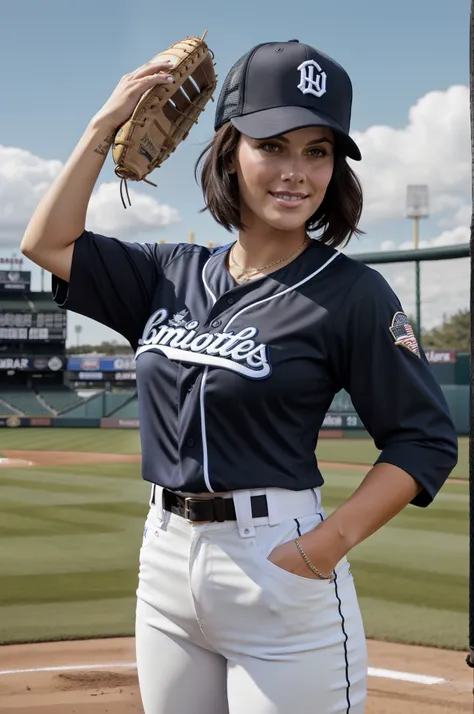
403 333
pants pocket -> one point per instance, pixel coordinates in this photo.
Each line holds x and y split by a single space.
150 529
268 538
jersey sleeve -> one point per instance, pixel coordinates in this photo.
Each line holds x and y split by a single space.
111 282
392 386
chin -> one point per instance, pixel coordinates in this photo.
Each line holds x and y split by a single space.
285 223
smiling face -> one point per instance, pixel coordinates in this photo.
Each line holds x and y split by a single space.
283 181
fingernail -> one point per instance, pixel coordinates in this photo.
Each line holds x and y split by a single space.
170 79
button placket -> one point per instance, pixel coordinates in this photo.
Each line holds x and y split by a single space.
214 317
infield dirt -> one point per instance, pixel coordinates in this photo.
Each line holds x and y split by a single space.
113 687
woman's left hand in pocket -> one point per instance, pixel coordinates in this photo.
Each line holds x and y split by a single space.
288 557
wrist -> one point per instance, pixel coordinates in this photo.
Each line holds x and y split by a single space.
103 128
326 545
326 575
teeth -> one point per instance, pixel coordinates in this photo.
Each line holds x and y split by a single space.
286 197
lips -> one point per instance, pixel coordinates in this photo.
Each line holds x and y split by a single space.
288 200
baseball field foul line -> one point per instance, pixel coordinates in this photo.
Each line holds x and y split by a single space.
373 672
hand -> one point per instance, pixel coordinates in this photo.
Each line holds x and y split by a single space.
120 105
288 557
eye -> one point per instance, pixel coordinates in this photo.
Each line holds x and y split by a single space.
269 147
318 152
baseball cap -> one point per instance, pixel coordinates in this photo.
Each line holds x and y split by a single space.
278 87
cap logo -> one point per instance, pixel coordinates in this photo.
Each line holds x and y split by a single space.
313 79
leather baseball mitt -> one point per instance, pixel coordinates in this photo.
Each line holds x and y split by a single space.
165 114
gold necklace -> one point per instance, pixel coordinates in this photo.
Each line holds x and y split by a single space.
245 273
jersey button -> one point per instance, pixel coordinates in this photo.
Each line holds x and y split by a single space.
230 301
216 323
190 442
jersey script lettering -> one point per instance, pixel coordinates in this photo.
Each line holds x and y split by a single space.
238 352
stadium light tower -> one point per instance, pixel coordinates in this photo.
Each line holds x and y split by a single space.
77 330
417 207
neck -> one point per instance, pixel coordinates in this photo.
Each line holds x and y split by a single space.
256 248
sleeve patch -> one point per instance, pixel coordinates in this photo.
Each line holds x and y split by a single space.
403 334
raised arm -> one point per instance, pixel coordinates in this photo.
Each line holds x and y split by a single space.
60 216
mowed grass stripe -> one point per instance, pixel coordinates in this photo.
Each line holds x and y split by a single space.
67 587
107 470
409 585
27 526
22 530
412 624
107 441
80 512
436 518
67 519
34 484
68 620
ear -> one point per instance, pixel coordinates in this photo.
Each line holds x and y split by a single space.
232 159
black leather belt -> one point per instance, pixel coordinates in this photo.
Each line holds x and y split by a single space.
208 510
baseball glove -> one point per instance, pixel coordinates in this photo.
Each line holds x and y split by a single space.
165 114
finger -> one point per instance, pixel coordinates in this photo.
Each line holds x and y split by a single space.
161 78
152 67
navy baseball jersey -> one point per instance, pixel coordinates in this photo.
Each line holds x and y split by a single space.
234 381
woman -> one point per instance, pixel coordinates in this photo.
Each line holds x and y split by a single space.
245 598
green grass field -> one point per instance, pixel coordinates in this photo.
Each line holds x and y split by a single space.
106 441
69 542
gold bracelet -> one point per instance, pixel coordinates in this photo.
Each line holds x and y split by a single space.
310 565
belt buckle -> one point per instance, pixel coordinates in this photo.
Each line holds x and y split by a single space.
186 509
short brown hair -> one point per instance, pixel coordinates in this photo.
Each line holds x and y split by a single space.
337 216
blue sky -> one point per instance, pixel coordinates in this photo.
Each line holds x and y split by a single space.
61 60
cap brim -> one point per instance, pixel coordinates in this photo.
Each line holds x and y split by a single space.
280 120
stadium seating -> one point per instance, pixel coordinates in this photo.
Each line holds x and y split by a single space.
115 401
93 408
128 411
18 302
342 403
6 411
60 398
26 401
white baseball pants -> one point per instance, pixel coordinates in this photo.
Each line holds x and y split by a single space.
222 630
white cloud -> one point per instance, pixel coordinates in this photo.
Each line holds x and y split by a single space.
433 148
463 214
455 236
444 287
107 215
25 177
444 284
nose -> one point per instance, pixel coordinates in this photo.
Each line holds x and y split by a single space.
292 175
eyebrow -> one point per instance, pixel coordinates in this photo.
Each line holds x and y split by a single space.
310 143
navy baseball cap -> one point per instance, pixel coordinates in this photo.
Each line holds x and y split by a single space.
278 87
